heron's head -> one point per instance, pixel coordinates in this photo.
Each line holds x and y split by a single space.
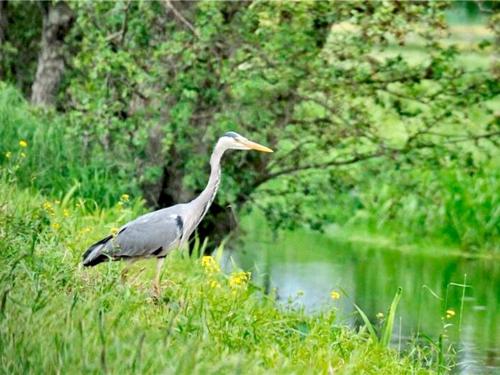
232 140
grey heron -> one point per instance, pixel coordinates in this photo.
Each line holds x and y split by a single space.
156 234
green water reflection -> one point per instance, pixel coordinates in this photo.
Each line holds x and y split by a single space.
310 266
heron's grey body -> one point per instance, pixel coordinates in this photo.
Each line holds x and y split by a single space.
158 233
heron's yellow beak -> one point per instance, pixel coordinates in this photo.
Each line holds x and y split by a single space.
256 146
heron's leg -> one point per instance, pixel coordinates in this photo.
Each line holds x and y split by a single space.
126 269
156 282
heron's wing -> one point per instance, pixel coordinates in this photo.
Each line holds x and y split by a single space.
148 235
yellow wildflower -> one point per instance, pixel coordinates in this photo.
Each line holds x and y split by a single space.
86 230
56 226
380 316
209 264
214 284
8 154
335 295
114 231
239 279
23 143
450 313
47 206
125 197
65 212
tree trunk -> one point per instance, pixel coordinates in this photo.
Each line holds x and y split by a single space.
57 21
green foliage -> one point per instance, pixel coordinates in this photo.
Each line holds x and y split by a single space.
450 202
328 85
58 317
274 71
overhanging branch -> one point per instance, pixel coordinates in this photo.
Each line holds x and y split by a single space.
363 157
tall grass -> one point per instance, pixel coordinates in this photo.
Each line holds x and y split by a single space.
453 206
57 156
388 326
59 318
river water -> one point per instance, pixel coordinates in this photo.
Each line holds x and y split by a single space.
306 267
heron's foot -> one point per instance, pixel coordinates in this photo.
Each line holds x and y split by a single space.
126 270
124 275
135 280
156 291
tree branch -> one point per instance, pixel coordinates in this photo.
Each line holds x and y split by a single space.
181 18
125 23
359 158
332 163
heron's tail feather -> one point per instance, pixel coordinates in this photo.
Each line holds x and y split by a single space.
94 254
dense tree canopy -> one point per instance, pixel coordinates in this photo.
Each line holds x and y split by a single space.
151 85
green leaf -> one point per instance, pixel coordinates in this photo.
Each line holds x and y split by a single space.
389 322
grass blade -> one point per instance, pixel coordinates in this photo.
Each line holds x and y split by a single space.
389 323
368 324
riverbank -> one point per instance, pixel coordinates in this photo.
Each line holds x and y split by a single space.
393 242
445 294
58 317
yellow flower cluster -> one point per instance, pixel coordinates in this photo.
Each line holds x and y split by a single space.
335 295
239 279
210 264
214 284
114 231
124 198
85 230
50 209
450 313
47 206
22 144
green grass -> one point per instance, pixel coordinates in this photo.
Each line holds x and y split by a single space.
452 207
56 158
57 317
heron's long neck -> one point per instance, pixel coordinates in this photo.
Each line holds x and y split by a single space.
207 196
